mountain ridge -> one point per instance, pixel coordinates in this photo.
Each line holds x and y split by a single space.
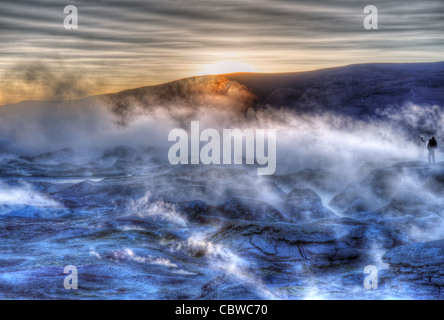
355 90
360 91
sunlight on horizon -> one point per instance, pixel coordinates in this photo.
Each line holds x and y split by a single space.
224 67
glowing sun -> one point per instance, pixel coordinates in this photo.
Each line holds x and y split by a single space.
226 67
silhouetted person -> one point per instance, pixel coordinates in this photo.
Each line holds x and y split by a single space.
432 146
421 144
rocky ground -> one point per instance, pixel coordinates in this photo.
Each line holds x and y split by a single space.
137 229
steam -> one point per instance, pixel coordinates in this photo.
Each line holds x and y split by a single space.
220 257
157 210
21 199
182 100
24 195
129 255
145 116
47 82
428 120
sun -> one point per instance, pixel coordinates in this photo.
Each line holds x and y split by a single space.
223 67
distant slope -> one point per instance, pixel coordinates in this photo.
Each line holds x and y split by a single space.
355 90
365 92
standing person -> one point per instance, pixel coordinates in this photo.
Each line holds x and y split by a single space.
432 146
421 144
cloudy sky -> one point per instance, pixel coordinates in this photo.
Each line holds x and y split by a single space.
133 43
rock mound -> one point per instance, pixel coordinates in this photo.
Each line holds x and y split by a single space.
420 262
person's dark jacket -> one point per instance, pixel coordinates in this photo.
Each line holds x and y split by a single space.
432 144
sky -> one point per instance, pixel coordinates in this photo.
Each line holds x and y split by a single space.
127 44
